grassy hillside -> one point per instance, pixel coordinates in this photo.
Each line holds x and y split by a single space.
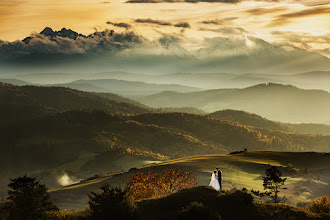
26 102
239 170
272 101
82 143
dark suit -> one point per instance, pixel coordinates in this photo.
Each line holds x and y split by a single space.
220 178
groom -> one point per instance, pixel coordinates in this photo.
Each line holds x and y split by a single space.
219 177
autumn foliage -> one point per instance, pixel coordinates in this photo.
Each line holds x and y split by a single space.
152 184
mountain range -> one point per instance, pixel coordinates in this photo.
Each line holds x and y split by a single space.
67 50
48 132
277 102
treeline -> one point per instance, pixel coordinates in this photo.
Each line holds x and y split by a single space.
26 102
65 137
250 119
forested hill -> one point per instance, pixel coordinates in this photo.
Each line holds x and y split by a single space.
64 137
250 119
26 102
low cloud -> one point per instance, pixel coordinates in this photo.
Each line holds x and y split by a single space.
65 180
215 22
192 1
263 11
163 23
183 25
152 21
284 19
226 30
120 24
175 1
303 40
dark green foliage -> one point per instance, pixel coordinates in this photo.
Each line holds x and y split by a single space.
197 211
111 203
29 199
231 205
274 182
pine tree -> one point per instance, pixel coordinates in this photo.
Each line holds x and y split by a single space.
28 199
274 182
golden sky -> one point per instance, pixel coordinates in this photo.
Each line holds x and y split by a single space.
304 24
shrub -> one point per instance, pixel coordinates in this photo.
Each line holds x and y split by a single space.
29 199
242 197
111 203
320 205
151 184
68 214
196 210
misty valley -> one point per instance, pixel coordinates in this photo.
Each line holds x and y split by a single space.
74 141
184 116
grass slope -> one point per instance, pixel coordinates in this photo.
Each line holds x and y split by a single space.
240 170
82 143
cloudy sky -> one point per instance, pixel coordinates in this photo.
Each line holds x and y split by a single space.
304 24
282 32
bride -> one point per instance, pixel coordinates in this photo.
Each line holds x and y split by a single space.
214 181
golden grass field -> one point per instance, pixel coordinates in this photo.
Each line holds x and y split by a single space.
239 170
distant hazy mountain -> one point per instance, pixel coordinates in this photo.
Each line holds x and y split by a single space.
315 75
125 87
273 101
15 82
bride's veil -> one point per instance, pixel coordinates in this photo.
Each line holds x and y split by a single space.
213 176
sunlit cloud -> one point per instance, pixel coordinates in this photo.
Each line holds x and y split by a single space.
286 18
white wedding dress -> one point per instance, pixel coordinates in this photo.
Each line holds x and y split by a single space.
215 182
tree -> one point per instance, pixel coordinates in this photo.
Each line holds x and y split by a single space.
111 203
273 182
28 199
150 184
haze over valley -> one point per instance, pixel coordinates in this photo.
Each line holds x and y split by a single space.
123 109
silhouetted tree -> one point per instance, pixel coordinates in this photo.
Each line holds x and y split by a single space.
111 203
273 182
28 199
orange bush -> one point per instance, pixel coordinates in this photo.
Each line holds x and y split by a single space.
320 205
150 184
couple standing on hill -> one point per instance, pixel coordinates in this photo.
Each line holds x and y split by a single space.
216 179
